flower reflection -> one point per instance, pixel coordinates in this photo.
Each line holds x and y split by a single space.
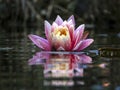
61 65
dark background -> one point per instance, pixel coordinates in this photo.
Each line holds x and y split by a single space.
100 14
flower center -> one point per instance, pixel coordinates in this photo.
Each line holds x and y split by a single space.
61 36
61 31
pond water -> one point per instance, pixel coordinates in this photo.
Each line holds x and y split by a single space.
24 67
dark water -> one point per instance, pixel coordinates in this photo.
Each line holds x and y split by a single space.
23 67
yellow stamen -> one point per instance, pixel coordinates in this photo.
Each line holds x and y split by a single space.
61 31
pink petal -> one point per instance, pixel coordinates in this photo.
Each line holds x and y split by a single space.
85 43
47 29
85 59
78 33
85 34
35 61
61 49
59 20
69 23
40 42
71 30
54 26
38 58
77 46
64 23
72 18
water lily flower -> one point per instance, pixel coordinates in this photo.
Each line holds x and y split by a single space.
62 35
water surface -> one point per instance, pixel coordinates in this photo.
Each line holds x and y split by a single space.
90 70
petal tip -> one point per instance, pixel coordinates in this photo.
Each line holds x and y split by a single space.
92 40
30 36
83 25
72 18
58 20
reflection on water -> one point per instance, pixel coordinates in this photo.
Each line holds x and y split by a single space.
69 70
21 68
61 65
